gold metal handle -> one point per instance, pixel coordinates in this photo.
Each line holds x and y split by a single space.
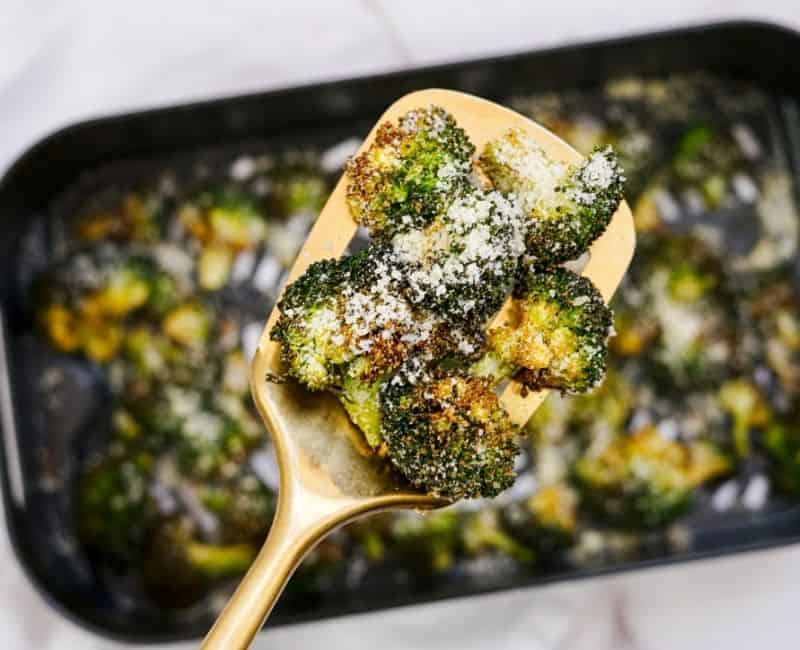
302 519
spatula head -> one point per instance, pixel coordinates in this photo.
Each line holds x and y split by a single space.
317 446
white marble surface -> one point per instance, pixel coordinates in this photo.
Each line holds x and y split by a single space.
64 61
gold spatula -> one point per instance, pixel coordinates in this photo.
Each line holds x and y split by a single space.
326 478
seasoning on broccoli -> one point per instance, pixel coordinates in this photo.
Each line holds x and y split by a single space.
410 174
462 265
556 337
446 431
568 206
645 480
345 326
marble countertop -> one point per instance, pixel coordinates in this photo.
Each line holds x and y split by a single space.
68 61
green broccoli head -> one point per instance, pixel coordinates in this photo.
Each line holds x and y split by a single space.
462 265
557 334
244 507
115 506
446 431
224 217
410 173
567 206
782 443
644 480
484 531
178 567
431 541
545 521
748 409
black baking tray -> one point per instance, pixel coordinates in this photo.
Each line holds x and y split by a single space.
765 54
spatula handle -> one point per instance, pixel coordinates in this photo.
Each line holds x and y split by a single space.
294 532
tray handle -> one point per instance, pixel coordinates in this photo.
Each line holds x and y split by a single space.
8 422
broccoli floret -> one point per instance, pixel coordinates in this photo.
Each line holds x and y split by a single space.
782 443
446 431
568 207
224 217
296 188
430 541
547 520
410 174
178 567
133 217
644 480
115 507
212 444
310 329
557 334
244 507
748 409
462 265
483 531
345 327
189 324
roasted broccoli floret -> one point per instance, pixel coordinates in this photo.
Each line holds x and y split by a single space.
462 265
431 541
644 480
484 531
782 443
189 324
556 337
296 188
748 409
84 302
446 431
133 217
411 172
567 206
547 520
244 507
345 326
179 567
225 222
115 506
211 443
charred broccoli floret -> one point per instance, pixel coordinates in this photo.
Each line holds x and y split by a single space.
179 567
567 206
83 304
431 541
446 431
411 172
225 222
484 531
748 409
545 521
462 265
244 507
115 507
782 443
644 480
557 333
345 327
133 217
